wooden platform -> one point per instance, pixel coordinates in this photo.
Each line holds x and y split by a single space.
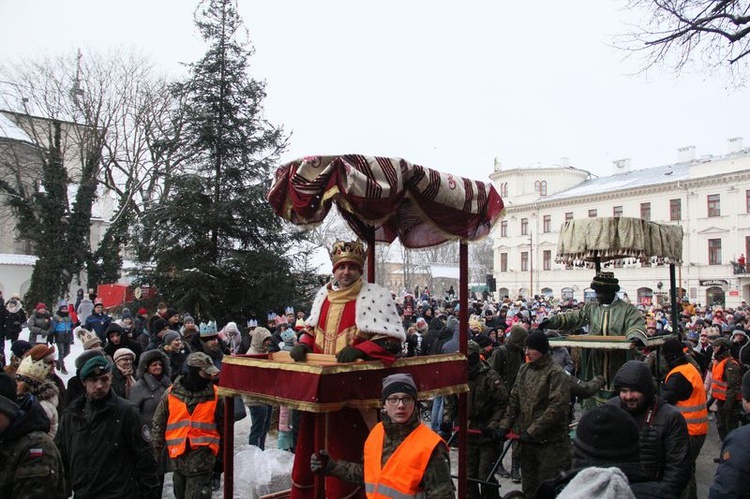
597 342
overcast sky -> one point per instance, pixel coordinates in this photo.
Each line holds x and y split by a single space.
449 85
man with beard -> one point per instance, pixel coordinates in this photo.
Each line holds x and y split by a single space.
105 447
353 320
188 421
665 448
402 457
208 342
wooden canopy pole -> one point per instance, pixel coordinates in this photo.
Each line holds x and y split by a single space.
463 347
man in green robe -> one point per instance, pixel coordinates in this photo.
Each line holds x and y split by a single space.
608 316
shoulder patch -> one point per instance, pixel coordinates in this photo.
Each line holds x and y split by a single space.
146 433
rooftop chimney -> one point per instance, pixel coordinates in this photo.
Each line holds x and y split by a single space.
685 154
734 145
565 162
621 165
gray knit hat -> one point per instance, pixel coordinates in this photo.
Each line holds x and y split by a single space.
399 382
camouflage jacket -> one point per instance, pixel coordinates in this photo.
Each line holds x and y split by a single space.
539 401
437 481
31 466
506 360
487 400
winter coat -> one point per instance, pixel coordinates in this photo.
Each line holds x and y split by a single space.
40 327
62 328
84 309
98 323
451 345
506 360
731 478
106 450
15 318
148 391
487 401
176 360
49 398
31 463
120 383
665 448
539 401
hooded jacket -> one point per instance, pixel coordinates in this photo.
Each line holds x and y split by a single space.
23 474
148 391
665 448
14 319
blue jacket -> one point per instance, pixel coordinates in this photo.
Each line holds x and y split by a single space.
731 479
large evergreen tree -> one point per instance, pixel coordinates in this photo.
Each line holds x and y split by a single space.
218 248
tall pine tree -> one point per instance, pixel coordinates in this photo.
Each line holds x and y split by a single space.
220 251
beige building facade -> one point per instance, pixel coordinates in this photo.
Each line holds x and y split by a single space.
708 196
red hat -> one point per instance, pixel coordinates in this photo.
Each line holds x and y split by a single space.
40 305
142 311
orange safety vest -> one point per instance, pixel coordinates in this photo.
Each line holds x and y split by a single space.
199 427
402 475
718 383
694 409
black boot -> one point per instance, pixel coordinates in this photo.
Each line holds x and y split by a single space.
515 471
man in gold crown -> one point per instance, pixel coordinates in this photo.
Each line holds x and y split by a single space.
351 319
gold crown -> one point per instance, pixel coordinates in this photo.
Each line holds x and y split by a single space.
348 251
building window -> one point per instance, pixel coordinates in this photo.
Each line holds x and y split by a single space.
547 223
747 201
714 205
617 211
503 262
541 187
568 216
504 189
646 211
592 213
675 209
524 226
714 251
547 259
524 261
503 228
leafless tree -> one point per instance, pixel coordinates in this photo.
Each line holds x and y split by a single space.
682 33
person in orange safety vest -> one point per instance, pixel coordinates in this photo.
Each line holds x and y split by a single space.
188 421
726 378
683 388
402 457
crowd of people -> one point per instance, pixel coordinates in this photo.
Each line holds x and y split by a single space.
144 395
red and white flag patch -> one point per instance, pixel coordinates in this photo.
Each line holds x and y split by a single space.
36 452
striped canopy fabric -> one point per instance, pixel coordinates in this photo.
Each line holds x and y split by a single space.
386 198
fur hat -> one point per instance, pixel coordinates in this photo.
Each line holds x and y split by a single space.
607 434
538 341
605 281
123 352
39 352
399 383
85 357
36 370
421 325
151 356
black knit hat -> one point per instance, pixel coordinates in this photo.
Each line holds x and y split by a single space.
399 383
607 434
746 386
672 349
8 405
538 341
605 281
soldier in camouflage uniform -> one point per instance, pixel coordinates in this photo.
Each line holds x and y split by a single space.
400 424
30 464
486 400
538 409
725 388
506 360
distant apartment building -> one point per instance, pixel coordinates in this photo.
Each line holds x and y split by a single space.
709 196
